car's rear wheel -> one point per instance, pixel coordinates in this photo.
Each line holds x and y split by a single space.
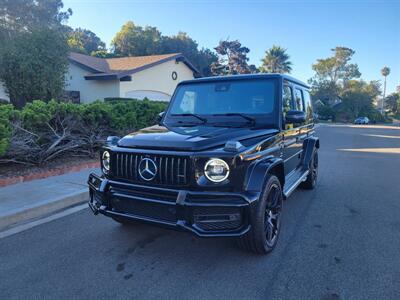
266 221
312 176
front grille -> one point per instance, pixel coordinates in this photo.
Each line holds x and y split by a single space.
171 170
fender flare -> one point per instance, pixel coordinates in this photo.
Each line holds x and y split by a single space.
309 145
257 174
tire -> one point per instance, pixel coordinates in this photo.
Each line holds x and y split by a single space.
312 177
266 221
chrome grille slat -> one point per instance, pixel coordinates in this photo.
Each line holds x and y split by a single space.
130 167
179 168
135 167
166 169
126 165
159 168
172 170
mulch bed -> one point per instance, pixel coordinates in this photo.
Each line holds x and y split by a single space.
17 173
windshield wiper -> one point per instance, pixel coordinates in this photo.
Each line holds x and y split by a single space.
244 116
204 120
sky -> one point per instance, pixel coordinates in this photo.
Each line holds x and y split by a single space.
307 29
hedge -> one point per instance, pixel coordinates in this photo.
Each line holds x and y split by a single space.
44 130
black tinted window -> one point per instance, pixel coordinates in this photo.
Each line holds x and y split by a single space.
308 105
244 96
287 99
298 97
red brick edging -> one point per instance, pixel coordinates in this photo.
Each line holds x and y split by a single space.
48 173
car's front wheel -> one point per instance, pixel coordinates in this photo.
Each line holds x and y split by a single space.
266 221
312 176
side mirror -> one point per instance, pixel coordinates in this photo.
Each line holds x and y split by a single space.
160 117
112 140
295 117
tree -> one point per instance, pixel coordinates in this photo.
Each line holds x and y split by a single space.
232 59
183 43
84 41
33 49
332 73
33 66
205 58
276 60
385 72
103 54
133 40
393 102
357 99
25 15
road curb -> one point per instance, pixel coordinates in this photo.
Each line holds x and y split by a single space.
33 212
49 173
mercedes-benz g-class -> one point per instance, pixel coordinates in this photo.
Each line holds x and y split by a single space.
226 153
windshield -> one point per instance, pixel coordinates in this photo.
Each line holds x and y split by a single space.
238 99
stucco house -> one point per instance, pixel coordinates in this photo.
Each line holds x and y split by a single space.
154 77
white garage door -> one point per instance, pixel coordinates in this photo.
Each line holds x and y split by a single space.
151 95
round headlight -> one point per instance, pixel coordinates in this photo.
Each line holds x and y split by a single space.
216 170
105 161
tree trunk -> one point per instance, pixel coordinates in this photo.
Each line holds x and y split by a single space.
384 95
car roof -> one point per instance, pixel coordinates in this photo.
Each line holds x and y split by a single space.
247 76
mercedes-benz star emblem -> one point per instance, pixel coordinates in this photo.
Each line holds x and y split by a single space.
147 169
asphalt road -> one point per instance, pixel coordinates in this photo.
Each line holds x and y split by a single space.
339 241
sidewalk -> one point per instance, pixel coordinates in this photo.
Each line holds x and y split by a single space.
23 202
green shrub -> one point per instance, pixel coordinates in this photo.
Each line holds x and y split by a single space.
44 130
7 114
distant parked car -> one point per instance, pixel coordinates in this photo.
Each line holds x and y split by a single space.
361 120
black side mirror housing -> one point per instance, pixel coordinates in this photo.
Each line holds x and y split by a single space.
160 117
295 117
112 140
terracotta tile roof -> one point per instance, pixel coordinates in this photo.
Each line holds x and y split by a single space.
123 66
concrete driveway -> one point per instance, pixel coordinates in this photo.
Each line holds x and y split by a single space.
340 241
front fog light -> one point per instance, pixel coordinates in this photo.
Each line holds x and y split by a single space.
105 161
216 170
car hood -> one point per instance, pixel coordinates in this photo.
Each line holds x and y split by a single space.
195 138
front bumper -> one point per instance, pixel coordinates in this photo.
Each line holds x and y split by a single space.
207 214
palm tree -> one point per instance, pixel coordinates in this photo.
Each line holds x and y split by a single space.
385 72
276 60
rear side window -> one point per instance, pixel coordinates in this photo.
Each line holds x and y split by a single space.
286 99
298 99
308 105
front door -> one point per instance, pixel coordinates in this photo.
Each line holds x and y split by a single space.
292 143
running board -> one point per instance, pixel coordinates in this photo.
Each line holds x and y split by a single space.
293 181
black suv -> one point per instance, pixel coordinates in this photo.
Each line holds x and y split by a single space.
226 153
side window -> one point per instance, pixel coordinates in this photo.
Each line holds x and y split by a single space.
286 99
298 97
308 106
